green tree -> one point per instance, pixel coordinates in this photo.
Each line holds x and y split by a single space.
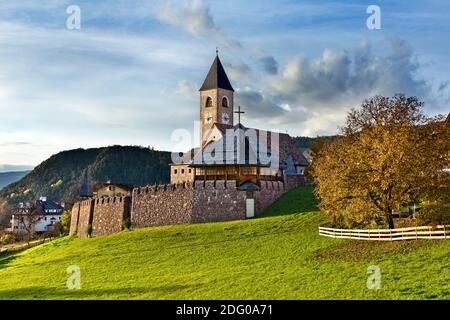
63 226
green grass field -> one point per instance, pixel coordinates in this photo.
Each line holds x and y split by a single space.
277 256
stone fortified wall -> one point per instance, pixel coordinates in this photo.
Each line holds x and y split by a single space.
106 215
110 214
82 213
172 204
162 205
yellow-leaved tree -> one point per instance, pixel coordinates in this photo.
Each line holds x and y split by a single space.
388 155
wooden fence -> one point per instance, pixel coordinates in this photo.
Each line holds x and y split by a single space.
437 232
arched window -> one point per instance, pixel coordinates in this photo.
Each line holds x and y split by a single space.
225 102
208 103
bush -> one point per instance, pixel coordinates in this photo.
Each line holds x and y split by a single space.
126 224
89 230
65 222
436 208
6 239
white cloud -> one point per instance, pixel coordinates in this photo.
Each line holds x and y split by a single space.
194 16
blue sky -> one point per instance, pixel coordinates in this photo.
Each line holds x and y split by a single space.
131 74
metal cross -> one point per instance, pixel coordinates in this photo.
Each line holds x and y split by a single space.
239 112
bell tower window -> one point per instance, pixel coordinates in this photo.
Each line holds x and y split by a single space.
225 102
208 103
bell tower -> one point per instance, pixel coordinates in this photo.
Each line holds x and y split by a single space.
216 99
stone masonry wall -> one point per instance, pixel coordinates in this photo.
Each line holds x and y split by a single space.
162 205
74 219
109 215
294 181
84 217
217 202
173 204
270 191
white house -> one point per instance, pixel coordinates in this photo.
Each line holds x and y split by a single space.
45 215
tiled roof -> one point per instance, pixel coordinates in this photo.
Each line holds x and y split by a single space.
286 147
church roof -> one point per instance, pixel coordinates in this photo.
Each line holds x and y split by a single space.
288 153
216 78
86 191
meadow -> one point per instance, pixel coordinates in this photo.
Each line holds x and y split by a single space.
278 255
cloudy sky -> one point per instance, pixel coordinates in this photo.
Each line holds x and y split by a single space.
131 74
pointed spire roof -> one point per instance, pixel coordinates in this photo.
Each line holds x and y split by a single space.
216 78
86 191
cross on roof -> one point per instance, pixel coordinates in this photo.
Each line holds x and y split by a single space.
239 112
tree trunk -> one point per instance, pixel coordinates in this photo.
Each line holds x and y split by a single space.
389 219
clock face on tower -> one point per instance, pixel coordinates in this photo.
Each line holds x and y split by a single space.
208 118
225 118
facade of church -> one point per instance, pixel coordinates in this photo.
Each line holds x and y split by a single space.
235 173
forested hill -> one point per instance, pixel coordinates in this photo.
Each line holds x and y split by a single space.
307 142
61 176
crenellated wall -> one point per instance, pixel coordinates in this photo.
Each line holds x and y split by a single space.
74 219
110 214
162 205
270 191
171 204
82 213
217 201
294 181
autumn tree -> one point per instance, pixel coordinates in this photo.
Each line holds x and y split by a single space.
388 155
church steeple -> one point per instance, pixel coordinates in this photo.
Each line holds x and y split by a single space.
216 100
86 191
217 77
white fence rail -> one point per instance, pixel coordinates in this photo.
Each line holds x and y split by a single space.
436 232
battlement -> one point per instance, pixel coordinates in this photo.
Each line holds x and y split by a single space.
154 189
169 204
109 200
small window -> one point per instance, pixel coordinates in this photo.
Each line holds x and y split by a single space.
182 171
225 102
208 103
190 170
175 171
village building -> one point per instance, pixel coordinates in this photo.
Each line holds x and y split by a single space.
111 189
38 217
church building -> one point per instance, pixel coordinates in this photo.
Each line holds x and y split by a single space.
229 150
235 173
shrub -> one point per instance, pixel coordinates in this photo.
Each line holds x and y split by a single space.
89 230
436 208
126 224
6 239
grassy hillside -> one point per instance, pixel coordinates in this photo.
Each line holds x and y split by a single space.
7 178
278 256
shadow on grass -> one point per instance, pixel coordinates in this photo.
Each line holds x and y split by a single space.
360 250
7 258
298 200
40 293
